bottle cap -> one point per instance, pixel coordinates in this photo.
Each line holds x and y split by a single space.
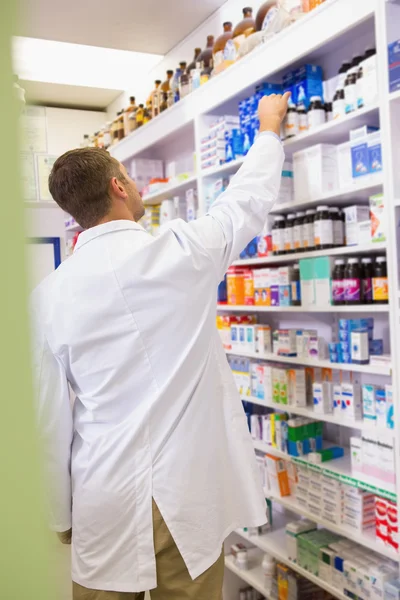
300 214
334 209
321 208
132 99
170 72
381 259
366 260
158 81
279 218
339 261
291 216
353 261
316 99
310 211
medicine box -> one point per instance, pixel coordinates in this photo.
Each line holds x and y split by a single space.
293 530
307 281
297 388
374 153
277 475
369 403
354 215
263 339
394 66
323 267
378 218
315 172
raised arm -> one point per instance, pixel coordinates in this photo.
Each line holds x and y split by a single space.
240 212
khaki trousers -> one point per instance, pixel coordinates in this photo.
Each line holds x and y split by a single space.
173 579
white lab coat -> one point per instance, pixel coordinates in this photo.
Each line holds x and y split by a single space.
129 322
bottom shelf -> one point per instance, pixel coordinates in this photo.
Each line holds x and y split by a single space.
274 543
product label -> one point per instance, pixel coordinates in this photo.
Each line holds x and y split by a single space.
308 235
303 122
338 290
380 289
278 240
339 109
288 239
296 294
323 232
350 93
352 290
218 58
316 118
338 238
298 237
269 17
291 124
366 287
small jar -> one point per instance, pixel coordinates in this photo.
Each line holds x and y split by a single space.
316 113
323 229
278 236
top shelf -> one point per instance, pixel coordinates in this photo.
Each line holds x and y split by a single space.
321 28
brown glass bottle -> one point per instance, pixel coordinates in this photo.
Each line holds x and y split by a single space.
192 65
140 115
263 12
220 43
206 55
247 25
205 73
166 85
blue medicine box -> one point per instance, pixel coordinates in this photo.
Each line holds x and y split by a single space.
394 66
360 159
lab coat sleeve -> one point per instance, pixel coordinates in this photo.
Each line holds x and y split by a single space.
55 428
240 212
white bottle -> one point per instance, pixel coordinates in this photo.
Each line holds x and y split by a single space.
269 569
242 561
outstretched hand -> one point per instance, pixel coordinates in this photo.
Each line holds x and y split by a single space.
272 110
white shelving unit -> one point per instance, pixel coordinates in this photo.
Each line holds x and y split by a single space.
329 35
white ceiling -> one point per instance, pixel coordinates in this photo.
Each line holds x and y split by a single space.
68 96
143 26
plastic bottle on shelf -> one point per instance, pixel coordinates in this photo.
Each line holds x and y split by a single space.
268 566
278 236
302 115
323 228
195 77
367 271
316 112
298 225
308 230
242 560
289 225
295 285
338 226
360 77
220 43
352 282
350 86
291 123
338 293
380 288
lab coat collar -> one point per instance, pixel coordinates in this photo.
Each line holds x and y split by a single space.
110 227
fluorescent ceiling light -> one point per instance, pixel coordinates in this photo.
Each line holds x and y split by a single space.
75 64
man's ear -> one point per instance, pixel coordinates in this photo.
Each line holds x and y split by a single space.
117 189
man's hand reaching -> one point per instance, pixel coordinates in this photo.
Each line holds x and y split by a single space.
271 111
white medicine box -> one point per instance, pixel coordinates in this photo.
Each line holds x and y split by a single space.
315 172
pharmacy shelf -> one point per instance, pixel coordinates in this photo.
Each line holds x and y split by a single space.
385 369
228 168
369 185
367 539
274 543
376 248
169 191
325 27
334 132
253 576
339 469
360 308
395 96
309 413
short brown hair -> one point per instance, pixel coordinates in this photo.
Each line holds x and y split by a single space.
79 183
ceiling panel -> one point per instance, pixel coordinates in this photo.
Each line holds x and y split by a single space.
144 26
68 96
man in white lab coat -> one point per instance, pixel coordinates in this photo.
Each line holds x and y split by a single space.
154 466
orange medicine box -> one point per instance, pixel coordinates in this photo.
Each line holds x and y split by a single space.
235 285
277 475
248 288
